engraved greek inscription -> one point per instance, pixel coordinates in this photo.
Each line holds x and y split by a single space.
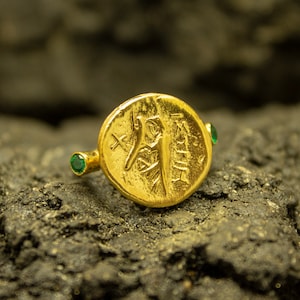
181 174
118 141
195 141
201 159
177 115
182 154
181 130
181 171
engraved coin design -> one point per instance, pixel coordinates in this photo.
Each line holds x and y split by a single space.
155 149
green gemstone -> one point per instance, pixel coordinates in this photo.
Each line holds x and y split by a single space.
78 163
214 134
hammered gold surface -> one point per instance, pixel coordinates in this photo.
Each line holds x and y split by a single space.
155 149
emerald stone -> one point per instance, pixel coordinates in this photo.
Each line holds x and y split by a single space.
214 134
78 163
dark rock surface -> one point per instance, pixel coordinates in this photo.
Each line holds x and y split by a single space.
56 55
237 237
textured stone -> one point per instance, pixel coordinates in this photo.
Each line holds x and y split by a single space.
237 237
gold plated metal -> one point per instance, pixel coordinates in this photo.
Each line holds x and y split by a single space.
153 148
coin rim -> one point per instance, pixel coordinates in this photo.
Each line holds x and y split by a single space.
179 197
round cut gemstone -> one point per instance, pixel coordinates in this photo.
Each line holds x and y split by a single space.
78 163
214 134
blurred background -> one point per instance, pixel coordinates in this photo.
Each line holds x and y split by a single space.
62 59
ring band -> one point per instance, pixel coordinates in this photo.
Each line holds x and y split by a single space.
153 148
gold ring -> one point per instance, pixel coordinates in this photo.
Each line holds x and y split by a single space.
153 148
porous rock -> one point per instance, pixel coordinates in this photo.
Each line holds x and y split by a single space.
237 237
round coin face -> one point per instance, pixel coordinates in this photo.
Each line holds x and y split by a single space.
155 150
